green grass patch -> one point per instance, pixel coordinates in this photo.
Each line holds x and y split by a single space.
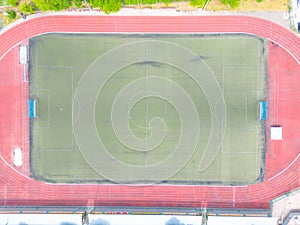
11 14
27 8
233 3
12 2
150 126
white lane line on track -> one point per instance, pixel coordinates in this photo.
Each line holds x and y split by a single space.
282 171
18 172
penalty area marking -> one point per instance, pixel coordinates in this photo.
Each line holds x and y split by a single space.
59 108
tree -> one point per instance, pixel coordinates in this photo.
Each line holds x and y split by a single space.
77 3
198 3
27 8
109 6
11 14
166 2
55 5
233 3
94 3
12 2
1 2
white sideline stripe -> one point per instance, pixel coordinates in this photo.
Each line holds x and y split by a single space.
147 106
281 172
23 175
49 102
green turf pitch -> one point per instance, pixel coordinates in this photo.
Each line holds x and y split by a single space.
148 108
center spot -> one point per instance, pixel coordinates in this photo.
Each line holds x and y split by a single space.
144 110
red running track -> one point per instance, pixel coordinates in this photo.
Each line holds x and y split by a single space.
17 189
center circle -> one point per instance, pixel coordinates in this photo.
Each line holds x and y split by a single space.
90 143
153 105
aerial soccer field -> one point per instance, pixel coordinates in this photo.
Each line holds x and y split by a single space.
142 109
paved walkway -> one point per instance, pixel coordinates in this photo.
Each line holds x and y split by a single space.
276 17
286 203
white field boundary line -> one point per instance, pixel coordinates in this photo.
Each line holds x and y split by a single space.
56 150
282 171
261 60
72 107
49 102
246 110
195 186
257 148
204 37
147 106
223 94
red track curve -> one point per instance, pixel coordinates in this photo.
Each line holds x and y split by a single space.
16 189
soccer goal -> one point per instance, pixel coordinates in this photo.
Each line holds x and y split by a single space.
32 108
263 108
